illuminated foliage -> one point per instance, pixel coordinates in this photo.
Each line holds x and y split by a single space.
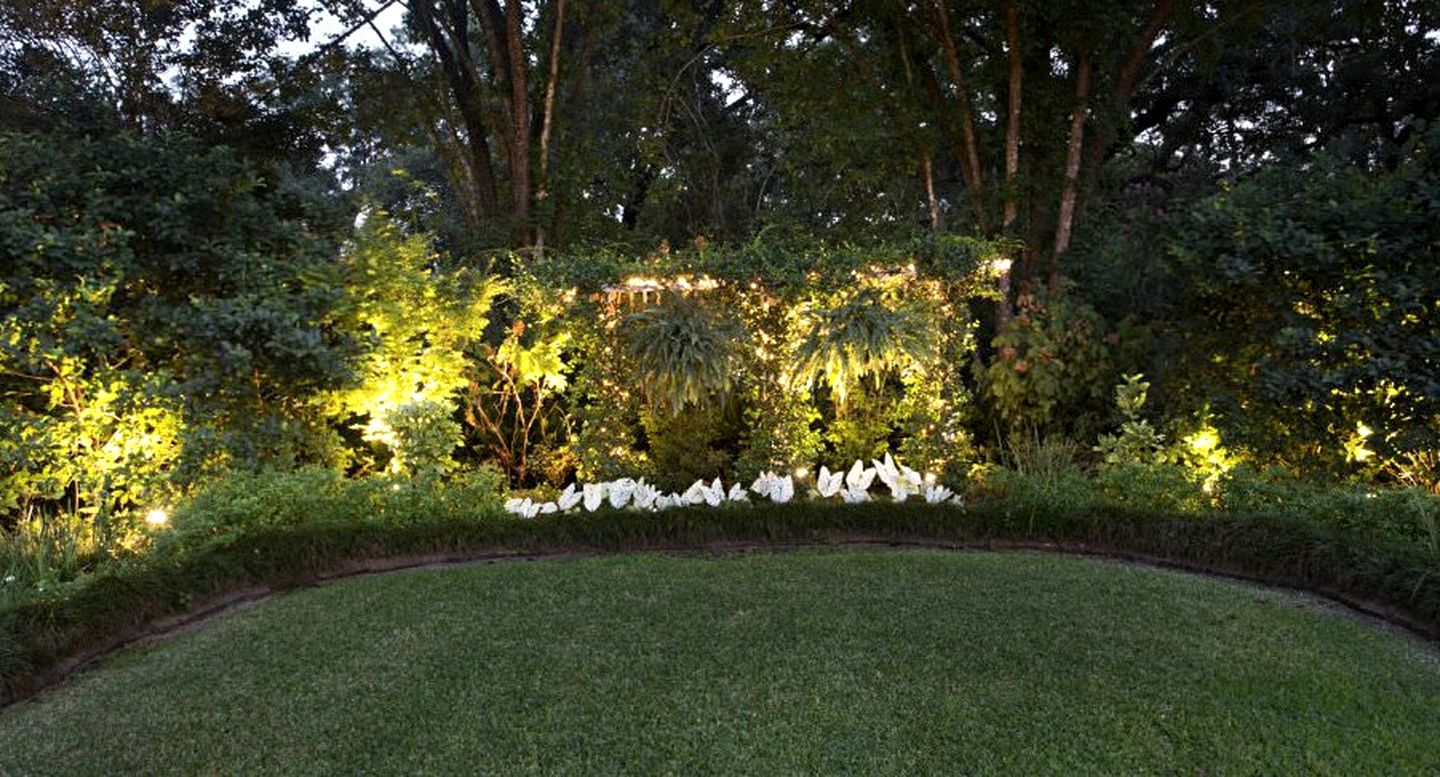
781 429
1138 442
514 402
838 362
165 312
869 336
417 322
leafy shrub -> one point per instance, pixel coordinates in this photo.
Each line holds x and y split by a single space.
1406 514
868 336
1158 486
781 429
687 445
416 319
242 504
1311 321
1138 442
424 438
1034 498
515 405
1052 363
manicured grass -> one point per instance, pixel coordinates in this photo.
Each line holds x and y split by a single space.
815 661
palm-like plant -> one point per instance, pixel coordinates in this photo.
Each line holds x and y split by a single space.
864 338
684 354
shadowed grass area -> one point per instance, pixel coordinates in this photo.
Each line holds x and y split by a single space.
851 660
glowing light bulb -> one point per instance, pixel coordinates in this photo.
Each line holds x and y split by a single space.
157 517
1000 266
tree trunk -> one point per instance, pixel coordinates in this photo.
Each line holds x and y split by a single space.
1012 115
969 152
520 121
937 223
448 43
541 190
1066 215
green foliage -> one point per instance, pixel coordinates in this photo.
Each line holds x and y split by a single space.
1037 455
861 427
424 438
515 402
1052 363
1313 310
166 312
868 336
417 321
781 429
44 554
247 504
608 410
1138 442
684 354
1404 514
1048 486
1153 485
686 445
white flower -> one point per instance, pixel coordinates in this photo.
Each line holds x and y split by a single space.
645 496
887 472
859 477
764 484
620 491
852 487
594 495
827 483
783 490
714 493
937 494
9 579
569 497
914 480
695 494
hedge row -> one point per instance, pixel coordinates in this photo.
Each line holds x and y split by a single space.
41 641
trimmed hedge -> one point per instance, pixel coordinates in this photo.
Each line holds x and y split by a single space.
40 641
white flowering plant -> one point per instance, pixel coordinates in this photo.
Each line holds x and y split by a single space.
852 486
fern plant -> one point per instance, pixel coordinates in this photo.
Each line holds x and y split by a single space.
863 339
684 354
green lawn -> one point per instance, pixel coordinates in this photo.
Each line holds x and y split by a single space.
820 661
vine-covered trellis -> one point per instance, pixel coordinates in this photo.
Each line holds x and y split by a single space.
679 364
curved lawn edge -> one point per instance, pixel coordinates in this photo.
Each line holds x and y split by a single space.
51 639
